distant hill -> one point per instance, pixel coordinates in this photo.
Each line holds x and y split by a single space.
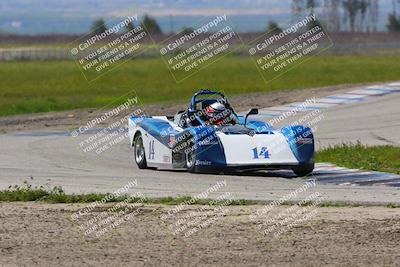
76 16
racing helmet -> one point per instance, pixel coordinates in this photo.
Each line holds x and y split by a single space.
217 114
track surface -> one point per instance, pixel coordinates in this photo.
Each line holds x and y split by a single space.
54 158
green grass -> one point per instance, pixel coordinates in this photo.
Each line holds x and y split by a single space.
358 156
27 192
29 87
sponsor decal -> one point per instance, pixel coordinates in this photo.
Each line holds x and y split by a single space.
203 162
302 141
166 158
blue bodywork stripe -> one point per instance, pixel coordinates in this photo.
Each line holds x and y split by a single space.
155 128
304 153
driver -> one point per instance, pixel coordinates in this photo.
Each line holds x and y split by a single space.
218 114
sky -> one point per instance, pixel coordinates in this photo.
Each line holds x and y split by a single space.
76 16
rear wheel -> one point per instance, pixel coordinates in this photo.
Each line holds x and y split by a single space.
140 156
303 170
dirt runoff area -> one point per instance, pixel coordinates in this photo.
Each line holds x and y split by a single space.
49 235
70 120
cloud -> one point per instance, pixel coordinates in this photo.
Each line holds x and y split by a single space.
204 12
16 24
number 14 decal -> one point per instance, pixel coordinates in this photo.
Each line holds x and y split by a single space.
263 153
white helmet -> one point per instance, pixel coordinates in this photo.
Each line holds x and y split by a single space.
216 113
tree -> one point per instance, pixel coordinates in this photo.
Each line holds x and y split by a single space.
373 14
297 8
351 7
332 14
314 23
129 27
273 26
98 27
311 4
151 25
187 30
394 4
393 23
364 6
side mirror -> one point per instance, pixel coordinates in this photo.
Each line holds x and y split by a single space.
253 111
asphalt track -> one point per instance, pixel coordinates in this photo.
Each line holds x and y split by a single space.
55 158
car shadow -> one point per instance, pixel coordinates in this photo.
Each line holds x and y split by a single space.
269 174
286 174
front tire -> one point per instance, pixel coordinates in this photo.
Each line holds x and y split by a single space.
140 155
191 159
303 170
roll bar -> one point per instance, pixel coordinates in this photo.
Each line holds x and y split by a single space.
203 92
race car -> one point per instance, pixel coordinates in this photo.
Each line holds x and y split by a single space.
210 137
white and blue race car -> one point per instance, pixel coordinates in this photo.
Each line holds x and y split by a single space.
197 140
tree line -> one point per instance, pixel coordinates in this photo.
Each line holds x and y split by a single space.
342 15
337 16
349 15
150 24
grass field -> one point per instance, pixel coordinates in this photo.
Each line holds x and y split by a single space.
27 192
29 87
377 158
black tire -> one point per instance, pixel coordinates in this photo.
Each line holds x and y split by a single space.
190 158
303 170
139 154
